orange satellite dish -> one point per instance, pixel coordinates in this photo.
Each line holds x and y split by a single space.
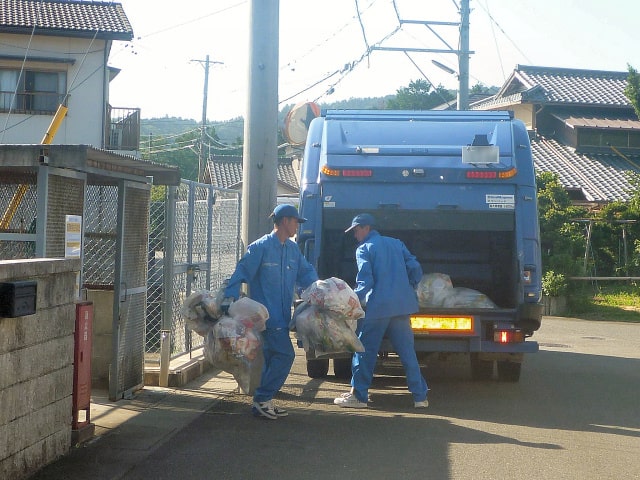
296 124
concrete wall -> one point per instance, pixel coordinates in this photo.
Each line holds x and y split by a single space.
36 368
102 343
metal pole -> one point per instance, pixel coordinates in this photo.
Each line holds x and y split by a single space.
260 152
463 57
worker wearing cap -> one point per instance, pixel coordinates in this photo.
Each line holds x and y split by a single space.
272 267
385 284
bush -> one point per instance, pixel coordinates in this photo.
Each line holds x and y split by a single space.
554 284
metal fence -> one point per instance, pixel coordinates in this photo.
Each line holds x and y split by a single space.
194 243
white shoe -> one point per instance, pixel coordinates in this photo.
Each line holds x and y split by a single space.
422 404
349 400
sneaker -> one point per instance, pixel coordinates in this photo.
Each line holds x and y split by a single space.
264 409
422 404
280 412
349 400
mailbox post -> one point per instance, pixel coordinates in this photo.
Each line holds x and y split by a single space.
82 428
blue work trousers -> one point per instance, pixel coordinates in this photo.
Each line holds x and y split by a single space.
278 359
371 333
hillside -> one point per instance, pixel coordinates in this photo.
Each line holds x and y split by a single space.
231 131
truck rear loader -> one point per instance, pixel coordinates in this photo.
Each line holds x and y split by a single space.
458 188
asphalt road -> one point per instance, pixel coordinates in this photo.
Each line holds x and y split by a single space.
575 414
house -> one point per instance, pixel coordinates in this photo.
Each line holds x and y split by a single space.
225 171
583 127
56 52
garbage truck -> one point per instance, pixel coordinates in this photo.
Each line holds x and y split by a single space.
458 188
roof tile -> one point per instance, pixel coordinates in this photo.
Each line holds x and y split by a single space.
78 18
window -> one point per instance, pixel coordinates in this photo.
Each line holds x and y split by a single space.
36 92
591 137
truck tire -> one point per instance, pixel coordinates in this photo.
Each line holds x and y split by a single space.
481 369
342 368
317 368
509 371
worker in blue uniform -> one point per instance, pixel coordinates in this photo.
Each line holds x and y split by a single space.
272 267
387 277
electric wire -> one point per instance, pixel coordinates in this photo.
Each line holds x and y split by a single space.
364 35
24 61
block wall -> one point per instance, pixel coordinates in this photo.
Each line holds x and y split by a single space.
36 368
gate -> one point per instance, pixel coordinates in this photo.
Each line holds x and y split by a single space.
194 243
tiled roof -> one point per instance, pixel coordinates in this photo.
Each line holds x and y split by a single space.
65 18
226 172
564 86
600 177
606 121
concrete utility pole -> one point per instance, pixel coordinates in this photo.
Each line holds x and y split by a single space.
463 57
463 52
203 127
260 152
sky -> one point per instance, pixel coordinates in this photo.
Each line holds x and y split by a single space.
162 69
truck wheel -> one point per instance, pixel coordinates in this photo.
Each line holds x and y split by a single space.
481 369
509 371
342 368
317 368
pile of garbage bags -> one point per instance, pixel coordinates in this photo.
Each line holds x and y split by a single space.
231 342
437 290
326 320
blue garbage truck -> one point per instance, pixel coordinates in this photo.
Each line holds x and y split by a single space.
458 188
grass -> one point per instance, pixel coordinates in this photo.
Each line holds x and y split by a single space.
611 301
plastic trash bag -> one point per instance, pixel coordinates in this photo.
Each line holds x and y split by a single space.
335 295
231 343
200 310
432 289
466 297
233 346
323 331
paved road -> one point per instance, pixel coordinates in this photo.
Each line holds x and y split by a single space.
574 414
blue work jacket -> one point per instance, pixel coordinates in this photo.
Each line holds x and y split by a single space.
272 270
387 276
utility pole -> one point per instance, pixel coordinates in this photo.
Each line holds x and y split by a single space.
463 57
260 151
463 52
203 127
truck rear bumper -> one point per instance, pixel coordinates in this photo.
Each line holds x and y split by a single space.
465 345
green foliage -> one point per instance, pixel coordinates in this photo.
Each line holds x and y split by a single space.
632 90
611 301
554 284
419 95
561 237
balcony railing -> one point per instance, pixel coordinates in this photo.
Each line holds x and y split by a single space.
122 129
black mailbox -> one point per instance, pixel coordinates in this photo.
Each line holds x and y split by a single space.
18 299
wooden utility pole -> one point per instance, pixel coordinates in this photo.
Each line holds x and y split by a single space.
260 152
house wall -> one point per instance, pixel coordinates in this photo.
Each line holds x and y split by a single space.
525 113
87 85
36 368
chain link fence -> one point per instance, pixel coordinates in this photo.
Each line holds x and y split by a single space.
194 243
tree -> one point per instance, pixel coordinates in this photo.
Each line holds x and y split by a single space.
419 95
561 238
632 90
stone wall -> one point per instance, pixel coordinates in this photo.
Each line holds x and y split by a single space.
36 368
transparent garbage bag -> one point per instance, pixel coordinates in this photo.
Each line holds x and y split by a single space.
335 295
325 332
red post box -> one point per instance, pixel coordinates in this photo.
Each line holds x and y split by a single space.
82 365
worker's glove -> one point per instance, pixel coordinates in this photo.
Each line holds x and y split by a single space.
226 303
